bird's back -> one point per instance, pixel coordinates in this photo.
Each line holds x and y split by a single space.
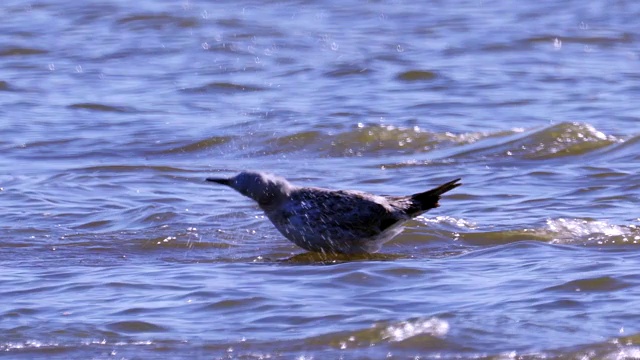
326 220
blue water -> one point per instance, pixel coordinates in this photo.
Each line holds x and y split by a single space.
113 114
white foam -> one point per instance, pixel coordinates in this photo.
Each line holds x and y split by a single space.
407 329
567 231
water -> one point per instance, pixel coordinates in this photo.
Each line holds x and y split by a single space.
114 247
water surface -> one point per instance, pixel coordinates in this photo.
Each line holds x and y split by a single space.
114 247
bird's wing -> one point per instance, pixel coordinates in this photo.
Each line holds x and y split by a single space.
346 214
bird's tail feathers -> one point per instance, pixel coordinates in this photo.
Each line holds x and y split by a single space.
424 201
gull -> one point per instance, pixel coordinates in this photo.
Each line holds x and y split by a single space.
332 221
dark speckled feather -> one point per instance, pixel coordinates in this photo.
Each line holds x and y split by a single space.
336 221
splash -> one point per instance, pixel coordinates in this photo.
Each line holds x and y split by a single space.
449 220
407 329
568 231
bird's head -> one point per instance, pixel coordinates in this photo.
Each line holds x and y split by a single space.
266 189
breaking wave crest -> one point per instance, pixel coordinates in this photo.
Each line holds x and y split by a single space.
363 140
565 231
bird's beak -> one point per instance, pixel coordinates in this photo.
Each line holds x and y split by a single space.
220 181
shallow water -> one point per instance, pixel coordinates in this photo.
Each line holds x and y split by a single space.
113 246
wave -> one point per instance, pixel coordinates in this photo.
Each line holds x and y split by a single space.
560 141
417 75
429 336
224 87
156 21
560 231
102 107
432 330
202 145
590 232
21 51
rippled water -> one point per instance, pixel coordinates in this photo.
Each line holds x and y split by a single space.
114 247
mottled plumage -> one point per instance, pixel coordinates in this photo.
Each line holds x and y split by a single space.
333 221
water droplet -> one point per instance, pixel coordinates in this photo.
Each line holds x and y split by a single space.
557 44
